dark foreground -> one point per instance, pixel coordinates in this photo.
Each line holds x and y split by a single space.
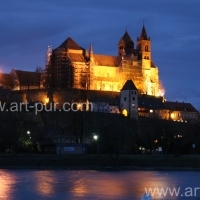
101 162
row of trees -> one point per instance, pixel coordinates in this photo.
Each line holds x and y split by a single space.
116 134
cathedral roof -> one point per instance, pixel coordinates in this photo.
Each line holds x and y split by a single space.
126 38
28 78
143 35
76 57
129 85
105 60
69 43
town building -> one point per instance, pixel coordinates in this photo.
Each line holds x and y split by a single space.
158 107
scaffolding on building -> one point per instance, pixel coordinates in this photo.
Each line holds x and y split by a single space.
47 70
132 70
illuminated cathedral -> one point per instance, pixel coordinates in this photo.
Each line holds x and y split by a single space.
71 66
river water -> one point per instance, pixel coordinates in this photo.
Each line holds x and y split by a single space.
88 184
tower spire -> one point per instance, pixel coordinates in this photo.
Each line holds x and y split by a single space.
143 35
91 53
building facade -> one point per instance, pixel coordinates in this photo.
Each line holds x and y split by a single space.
71 66
129 100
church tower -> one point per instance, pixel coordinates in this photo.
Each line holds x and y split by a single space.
129 100
144 49
125 45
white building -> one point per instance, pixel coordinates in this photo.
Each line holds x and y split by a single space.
129 100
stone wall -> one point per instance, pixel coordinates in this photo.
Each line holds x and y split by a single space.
59 96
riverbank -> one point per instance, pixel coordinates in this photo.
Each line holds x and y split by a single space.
101 162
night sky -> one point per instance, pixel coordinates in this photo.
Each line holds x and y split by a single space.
28 27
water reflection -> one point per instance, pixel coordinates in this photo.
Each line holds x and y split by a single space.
7 184
44 182
52 184
94 184
117 185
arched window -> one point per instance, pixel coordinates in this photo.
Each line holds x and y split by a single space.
148 57
145 57
146 48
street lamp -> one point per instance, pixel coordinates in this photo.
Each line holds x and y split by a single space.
96 139
28 132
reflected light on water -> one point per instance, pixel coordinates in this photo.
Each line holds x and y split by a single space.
7 182
108 187
44 182
118 185
97 184
33 184
79 187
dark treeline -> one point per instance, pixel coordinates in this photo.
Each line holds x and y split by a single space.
23 132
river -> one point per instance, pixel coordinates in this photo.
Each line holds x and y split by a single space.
88 184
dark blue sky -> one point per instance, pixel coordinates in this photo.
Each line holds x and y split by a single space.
28 27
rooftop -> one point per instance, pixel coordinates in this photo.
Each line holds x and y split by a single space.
129 85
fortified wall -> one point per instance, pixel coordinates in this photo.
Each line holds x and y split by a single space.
61 96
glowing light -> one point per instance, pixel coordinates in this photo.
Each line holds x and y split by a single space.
151 111
161 91
125 113
79 106
172 115
107 87
95 137
180 136
47 100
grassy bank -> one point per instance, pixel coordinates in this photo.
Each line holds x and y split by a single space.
137 162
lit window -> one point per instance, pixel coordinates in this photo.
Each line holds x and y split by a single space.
172 115
125 113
